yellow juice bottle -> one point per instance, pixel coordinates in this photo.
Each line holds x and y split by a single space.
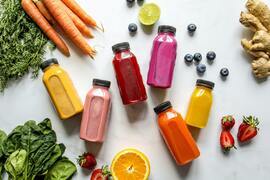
200 104
61 90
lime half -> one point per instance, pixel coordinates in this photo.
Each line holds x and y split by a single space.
149 14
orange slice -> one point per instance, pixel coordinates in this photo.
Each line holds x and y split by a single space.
130 164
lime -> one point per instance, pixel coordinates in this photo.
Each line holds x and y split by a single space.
149 14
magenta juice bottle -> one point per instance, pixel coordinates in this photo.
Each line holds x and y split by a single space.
96 111
160 73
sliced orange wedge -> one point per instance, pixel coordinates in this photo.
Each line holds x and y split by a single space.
130 164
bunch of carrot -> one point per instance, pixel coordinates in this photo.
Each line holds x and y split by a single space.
66 14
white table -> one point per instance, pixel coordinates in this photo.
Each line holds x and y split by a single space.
135 126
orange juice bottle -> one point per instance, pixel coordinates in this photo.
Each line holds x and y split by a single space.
176 134
61 90
200 104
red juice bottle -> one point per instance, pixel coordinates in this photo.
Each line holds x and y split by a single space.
128 75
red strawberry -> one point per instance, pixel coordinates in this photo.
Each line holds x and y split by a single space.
87 161
227 122
248 128
101 174
226 141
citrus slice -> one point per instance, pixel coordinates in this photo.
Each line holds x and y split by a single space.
130 164
149 14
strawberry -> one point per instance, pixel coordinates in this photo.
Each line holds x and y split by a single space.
248 128
227 122
87 161
101 174
226 141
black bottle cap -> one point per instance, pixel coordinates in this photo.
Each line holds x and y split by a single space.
165 28
99 82
120 47
48 62
162 107
208 84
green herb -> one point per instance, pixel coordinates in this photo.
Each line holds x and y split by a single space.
21 43
30 152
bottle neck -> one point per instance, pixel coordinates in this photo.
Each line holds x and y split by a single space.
100 87
166 33
164 112
121 51
49 67
204 87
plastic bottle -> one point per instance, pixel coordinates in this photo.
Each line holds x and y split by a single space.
200 104
161 68
176 134
61 90
96 112
128 75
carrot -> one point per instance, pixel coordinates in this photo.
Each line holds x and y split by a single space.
68 26
77 21
32 11
87 19
44 11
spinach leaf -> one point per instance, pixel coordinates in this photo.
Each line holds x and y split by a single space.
61 170
15 164
58 151
3 136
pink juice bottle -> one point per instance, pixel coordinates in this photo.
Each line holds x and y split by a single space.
96 111
163 58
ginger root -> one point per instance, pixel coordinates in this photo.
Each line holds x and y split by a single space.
257 19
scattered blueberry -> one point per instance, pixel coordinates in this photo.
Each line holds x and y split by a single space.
132 27
201 68
130 1
211 55
197 57
224 72
188 58
192 28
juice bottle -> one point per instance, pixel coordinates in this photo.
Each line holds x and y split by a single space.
96 112
61 90
128 75
160 73
176 134
200 104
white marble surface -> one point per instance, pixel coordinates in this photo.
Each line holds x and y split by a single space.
135 126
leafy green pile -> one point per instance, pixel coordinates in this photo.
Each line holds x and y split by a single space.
21 43
30 152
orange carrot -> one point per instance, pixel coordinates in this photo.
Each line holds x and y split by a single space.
68 26
32 11
44 11
77 21
75 7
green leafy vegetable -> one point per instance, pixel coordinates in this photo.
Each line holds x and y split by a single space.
31 152
15 164
21 43
62 169
3 136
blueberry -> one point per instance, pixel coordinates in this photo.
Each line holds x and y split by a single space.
224 72
191 28
201 68
211 55
132 27
197 57
188 58
130 1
